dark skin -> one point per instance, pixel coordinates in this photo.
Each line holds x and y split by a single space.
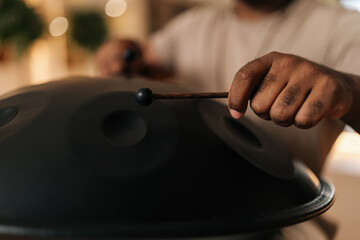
288 89
111 62
255 9
270 5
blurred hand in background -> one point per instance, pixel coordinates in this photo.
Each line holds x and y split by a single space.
119 57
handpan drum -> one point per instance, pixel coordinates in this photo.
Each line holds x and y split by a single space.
80 158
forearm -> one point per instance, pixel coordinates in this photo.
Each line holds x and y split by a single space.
352 117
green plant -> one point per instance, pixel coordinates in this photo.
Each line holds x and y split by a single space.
20 25
88 29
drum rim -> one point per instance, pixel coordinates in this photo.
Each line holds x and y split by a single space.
186 229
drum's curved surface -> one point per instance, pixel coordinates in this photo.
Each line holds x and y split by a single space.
80 158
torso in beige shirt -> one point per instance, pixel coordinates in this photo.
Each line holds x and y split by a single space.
207 45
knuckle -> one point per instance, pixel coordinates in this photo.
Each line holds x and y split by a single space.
289 61
274 54
315 71
244 75
308 66
263 85
329 84
281 117
259 107
316 108
282 123
264 116
304 122
290 95
310 115
256 61
269 79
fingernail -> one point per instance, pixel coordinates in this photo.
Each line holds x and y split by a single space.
236 114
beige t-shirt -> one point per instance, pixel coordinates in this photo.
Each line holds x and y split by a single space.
207 45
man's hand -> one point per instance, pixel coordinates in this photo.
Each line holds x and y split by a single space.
291 90
119 57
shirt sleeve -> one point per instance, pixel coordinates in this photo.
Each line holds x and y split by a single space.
165 43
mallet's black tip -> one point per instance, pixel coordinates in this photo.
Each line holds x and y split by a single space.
129 55
144 96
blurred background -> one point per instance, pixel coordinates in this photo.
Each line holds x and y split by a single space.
58 38
45 40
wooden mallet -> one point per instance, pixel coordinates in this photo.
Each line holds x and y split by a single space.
145 96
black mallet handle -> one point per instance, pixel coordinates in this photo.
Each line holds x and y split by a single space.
145 96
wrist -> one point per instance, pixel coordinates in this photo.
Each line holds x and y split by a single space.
352 116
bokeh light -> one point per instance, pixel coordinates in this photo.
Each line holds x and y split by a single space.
58 26
115 8
351 4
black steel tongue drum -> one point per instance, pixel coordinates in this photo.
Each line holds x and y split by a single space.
80 158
